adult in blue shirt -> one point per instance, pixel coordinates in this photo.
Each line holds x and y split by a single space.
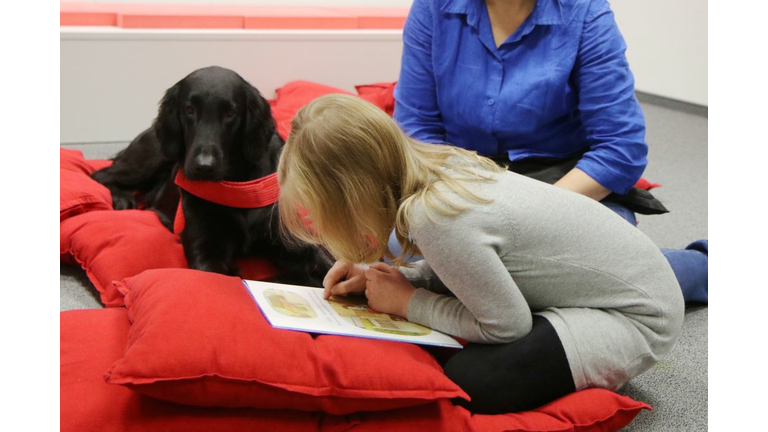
543 86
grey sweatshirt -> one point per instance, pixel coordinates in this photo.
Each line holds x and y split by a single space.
541 249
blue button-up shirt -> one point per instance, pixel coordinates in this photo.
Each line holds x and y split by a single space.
557 87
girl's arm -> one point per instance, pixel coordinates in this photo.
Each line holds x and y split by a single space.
416 108
421 275
463 252
610 113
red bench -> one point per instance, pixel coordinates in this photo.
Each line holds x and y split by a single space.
172 16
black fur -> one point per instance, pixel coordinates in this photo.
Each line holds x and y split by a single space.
215 126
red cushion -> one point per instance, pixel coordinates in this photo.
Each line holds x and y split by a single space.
73 160
645 184
199 338
380 94
117 244
78 192
587 410
292 97
133 239
92 340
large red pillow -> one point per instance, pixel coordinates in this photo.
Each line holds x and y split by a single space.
292 97
117 244
380 94
73 160
114 245
78 192
199 338
591 410
92 340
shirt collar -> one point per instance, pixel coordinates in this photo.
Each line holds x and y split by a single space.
546 12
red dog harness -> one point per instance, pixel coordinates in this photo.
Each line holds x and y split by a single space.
257 193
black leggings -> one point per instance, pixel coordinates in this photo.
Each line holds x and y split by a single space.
512 377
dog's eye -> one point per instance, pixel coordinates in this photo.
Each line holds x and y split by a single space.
190 110
230 113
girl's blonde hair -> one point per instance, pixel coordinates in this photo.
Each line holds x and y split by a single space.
349 167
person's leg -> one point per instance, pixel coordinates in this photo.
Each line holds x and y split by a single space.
690 264
513 377
622 211
691 267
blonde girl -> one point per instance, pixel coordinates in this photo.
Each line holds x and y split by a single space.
554 292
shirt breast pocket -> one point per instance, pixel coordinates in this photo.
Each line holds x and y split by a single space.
539 99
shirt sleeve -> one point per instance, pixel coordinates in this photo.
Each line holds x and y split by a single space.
416 108
610 113
488 307
421 275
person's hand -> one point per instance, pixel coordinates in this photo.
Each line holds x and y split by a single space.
388 290
578 181
344 278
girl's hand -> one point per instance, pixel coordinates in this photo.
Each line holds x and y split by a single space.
344 278
388 291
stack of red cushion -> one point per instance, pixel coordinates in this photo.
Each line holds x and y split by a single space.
191 350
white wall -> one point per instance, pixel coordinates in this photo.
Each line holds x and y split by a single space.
666 46
112 79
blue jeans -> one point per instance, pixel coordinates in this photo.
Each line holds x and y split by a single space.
691 265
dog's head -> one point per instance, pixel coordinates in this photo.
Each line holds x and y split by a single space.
212 122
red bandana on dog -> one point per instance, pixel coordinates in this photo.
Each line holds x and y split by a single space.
261 192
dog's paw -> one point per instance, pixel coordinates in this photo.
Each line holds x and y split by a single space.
123 200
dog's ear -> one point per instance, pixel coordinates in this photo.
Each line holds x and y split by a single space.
259 124
168 125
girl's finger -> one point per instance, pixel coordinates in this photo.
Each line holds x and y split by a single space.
372 272
383 267
335 274
347 286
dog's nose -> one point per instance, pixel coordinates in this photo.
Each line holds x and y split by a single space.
205 162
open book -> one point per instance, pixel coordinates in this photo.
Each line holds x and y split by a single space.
301 308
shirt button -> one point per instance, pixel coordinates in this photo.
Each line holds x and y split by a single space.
491 101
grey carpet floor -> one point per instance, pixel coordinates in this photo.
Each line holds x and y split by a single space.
677 387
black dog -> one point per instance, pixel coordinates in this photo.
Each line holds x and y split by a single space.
214 126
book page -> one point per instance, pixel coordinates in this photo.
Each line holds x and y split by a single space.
304 309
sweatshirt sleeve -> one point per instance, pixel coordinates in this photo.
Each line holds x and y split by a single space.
421 275
463 253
